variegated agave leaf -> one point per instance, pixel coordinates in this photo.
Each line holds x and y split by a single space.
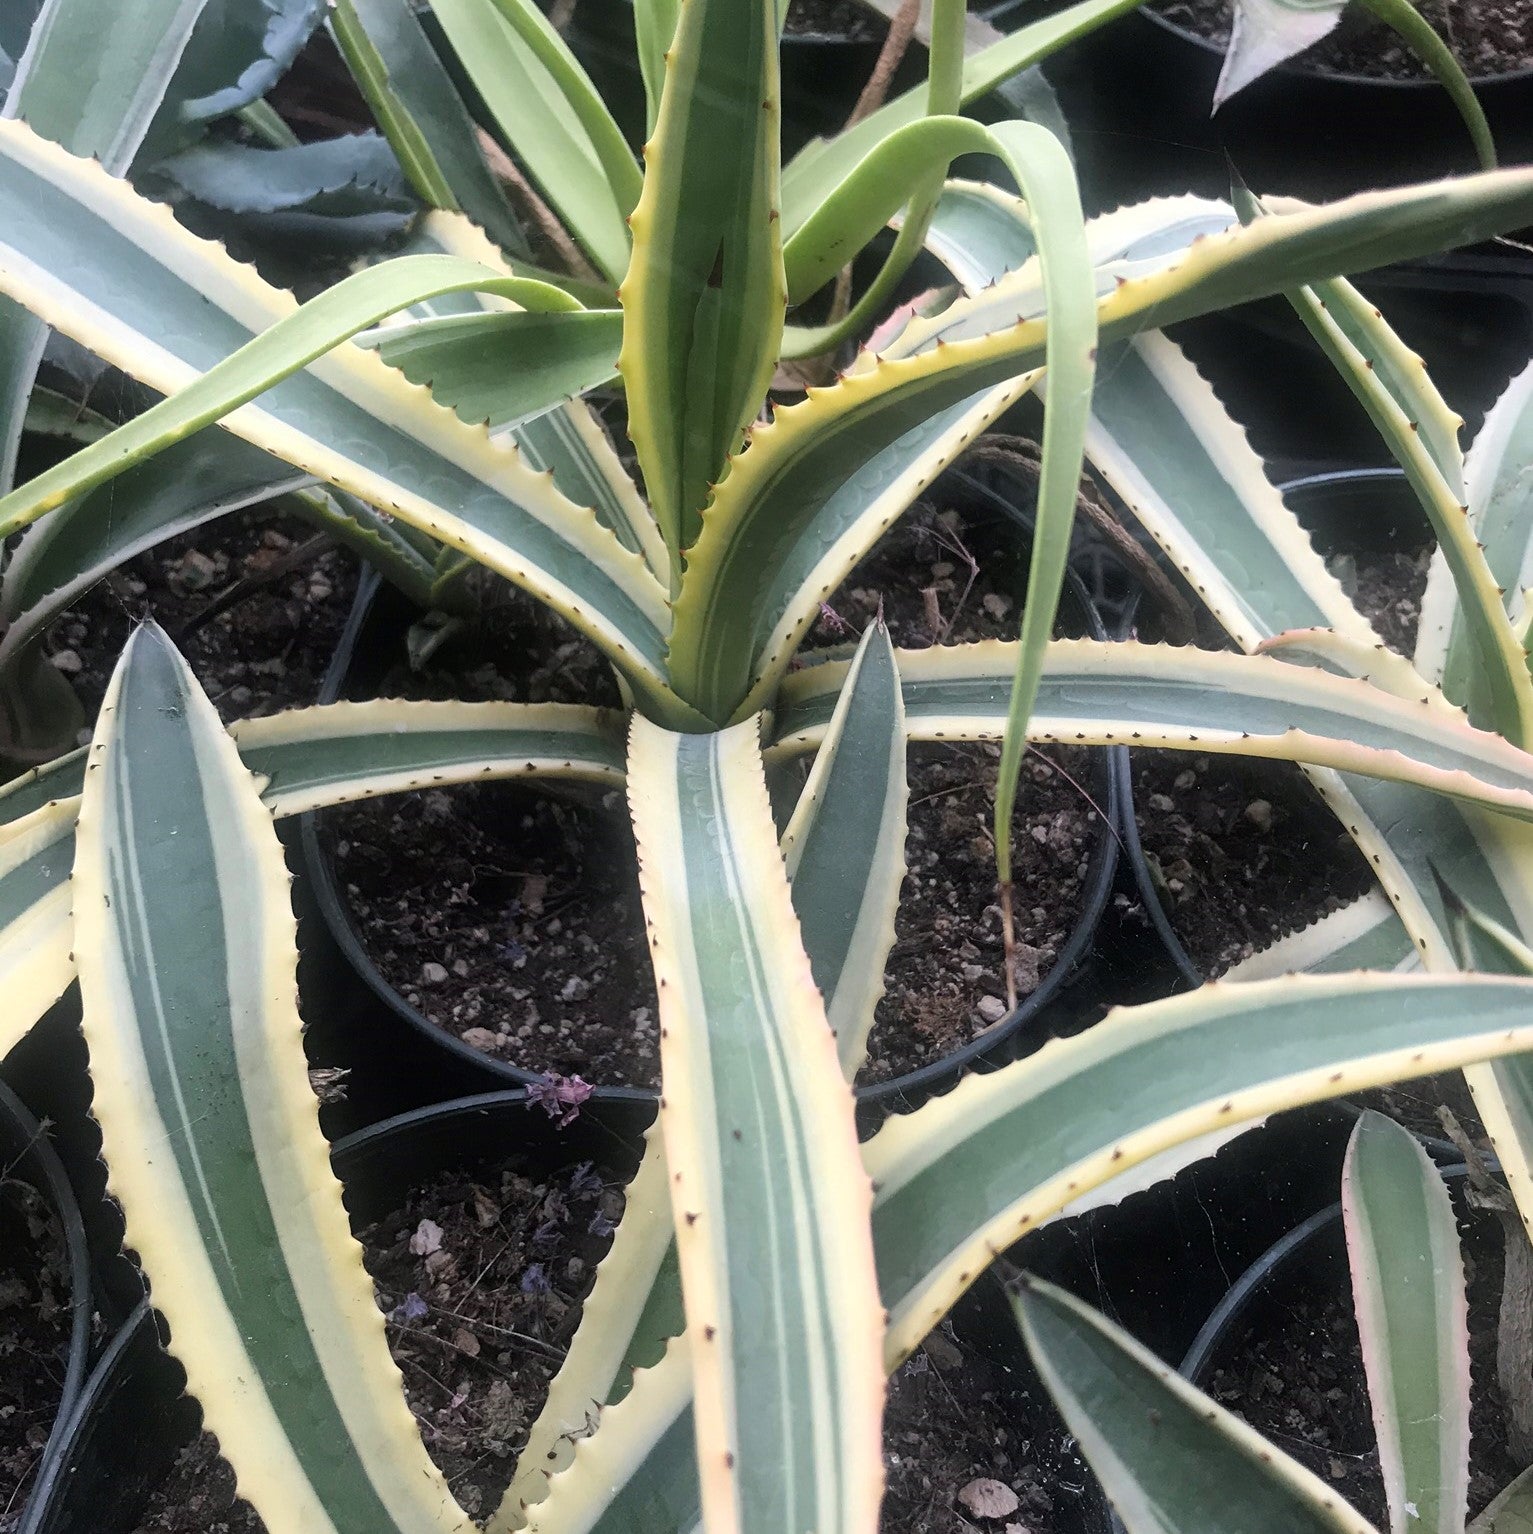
187 952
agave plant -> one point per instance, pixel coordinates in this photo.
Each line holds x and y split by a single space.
1172 1460
762 1246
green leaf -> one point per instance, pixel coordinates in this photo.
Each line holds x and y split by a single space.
1500 498
845 845
1169 1459
569 442
1364 934
91 78
504 367
768 1194
36 932
338 177
187 952
285 348
844 852
548 112
704 296
414 101
238 51
1511 1512
1047 181
174 307
1413 1317
654 28
1210 701
94 73
818 169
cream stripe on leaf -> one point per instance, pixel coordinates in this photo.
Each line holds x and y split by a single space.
1171 1460
187 950
1363 934
1094 693
704 297
967 1174
1420 432
312 757
36 934
1500 499
768 1194
1413 1319
612 1339
845 845
176 307
91 77
844 851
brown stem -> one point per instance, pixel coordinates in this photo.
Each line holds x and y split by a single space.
1008 947
901 29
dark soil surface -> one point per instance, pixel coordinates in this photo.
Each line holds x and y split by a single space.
1295 1373
1243 851
1387 586
482 1277
956 1416
1488 37
512 918
34 1337
264 653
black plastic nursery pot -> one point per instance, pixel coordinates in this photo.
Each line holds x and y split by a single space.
1363 519
29 1157
1296 1296
1138 93
398 1058
126 1421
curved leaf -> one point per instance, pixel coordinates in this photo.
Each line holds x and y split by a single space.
845 846
356 173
